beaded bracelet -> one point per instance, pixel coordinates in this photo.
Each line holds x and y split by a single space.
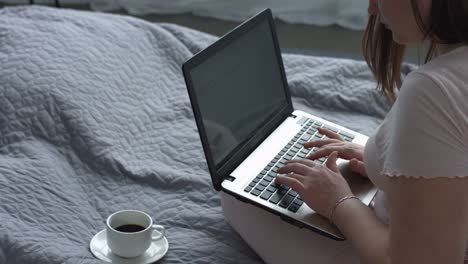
332 211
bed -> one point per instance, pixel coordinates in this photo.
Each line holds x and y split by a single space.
95 118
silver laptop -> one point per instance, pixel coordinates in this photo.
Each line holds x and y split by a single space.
247 125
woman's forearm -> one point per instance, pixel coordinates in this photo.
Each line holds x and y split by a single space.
368 236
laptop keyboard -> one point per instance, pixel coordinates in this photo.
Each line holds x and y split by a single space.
264 186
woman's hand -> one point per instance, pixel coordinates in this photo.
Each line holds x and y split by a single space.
346 150
319 186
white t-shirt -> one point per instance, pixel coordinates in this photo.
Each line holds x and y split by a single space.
425 134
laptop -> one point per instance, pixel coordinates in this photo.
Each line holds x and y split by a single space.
248 127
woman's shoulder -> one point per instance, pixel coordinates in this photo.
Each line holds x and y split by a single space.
442 82
439 100
422 89
444 73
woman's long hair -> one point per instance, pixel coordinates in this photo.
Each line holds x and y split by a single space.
448 24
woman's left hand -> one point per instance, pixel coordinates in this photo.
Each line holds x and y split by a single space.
319 186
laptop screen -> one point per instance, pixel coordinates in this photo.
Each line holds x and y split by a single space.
239 89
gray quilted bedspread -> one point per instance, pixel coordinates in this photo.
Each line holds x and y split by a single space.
95 118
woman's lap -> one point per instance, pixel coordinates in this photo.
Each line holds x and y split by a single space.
276 241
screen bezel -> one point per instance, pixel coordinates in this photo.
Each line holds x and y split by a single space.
229 163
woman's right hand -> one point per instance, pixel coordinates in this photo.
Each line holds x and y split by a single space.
346 150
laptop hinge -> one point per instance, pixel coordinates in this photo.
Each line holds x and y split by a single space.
230 178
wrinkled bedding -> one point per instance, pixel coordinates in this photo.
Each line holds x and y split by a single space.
95 118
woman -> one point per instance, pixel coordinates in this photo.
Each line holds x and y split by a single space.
418 157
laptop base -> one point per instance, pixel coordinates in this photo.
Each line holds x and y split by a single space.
360 186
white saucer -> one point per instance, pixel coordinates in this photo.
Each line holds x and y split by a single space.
100 250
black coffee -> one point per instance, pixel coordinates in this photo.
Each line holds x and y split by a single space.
130 228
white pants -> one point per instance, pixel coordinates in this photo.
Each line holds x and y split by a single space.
276 241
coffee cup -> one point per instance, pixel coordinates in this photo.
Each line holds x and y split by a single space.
129 233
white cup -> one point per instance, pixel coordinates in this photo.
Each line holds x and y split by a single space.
131 244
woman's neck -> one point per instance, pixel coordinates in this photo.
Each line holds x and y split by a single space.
445 48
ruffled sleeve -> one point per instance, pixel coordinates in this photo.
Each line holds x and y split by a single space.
428 135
